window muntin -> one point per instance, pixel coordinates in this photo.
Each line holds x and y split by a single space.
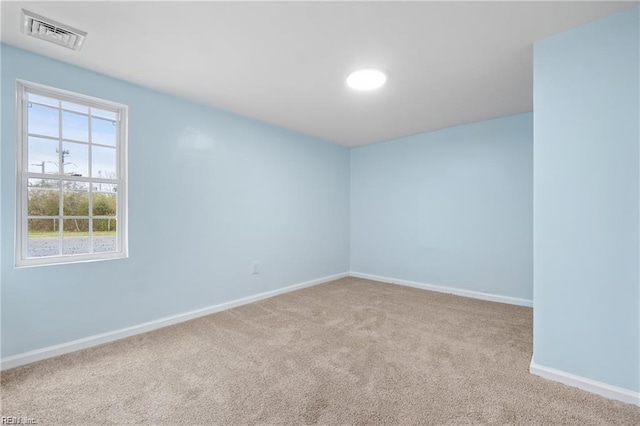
72 167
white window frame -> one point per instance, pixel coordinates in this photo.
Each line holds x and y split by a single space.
23 175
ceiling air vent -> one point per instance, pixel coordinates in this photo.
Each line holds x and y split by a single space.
50 30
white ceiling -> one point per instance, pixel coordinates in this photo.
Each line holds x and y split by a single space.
286 63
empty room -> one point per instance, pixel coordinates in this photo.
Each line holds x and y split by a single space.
334 213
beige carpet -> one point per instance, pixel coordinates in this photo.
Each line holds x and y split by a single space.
348 352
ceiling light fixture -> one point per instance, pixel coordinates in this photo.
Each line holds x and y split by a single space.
366 79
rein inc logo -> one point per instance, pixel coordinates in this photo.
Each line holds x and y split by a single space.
11 420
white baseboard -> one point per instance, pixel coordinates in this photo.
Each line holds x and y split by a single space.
599 388
99 339
449 290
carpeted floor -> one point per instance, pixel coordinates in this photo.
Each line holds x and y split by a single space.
348 352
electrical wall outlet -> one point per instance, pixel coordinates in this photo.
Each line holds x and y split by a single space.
255 268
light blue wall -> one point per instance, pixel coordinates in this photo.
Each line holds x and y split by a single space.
586 195
451 207
209 193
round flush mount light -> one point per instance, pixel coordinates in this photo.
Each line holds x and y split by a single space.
366 79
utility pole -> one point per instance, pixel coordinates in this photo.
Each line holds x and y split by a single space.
42 166
65 152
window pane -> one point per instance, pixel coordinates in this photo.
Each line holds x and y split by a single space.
43 100
75 107
109 115
42 155
104 203
75 126
43 120
75 158
75 236
104 235
43 237
71 160
103 131
75 199
44 197
103 162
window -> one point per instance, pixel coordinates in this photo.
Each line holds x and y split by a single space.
72 177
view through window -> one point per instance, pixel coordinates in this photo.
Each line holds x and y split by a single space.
72 172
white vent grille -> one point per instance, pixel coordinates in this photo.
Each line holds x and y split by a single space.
50 30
